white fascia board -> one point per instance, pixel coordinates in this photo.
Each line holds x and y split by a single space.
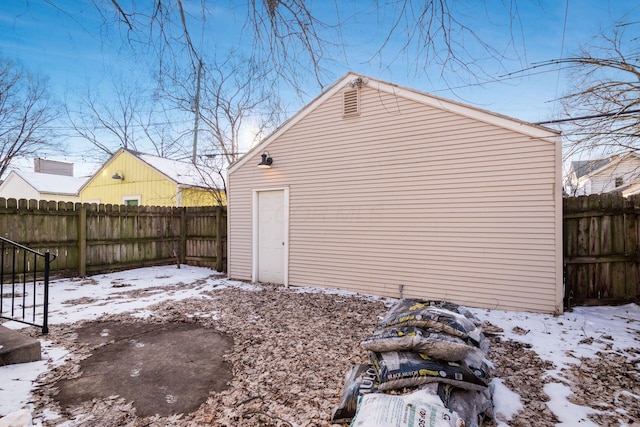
472 112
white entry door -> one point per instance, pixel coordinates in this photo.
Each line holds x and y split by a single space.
271 241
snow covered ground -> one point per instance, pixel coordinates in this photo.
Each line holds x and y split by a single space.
560 340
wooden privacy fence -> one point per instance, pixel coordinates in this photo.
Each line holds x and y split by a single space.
601 250
91 238
601 240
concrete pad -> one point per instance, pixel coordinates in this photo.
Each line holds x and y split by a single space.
16 347
164 369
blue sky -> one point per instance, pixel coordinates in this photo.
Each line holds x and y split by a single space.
67 41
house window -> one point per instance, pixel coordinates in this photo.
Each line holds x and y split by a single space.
131 200
619 181
351 103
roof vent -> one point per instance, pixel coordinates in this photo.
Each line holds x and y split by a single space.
351 103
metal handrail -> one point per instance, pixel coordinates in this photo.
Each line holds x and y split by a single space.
24 271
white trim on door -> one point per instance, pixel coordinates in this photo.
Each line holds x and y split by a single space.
254 232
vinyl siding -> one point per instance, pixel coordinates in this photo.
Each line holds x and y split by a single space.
449 206
198 197
239 225
16 188
628 169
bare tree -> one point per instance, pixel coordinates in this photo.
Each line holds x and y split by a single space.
25 113
284 45
283 36
278 46
211 172
602 110
126 118
232 98
287 39
439 34
234 112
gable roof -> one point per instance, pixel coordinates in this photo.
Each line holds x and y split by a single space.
589 168
585 167
183 174
476 113
47 183
614 161
631 189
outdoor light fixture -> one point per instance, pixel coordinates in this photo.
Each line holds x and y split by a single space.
266 161
118 176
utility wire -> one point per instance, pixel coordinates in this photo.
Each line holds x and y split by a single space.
595 116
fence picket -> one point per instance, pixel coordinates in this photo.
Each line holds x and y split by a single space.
601 249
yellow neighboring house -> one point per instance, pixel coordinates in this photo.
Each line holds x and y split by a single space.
132 178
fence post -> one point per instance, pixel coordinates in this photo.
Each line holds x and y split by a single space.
183 235
82 241
219 240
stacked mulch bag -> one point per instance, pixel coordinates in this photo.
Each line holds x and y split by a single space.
428 369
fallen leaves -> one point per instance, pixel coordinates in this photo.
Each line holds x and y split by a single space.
291 352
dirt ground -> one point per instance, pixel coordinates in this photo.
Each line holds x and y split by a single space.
288 353
163 369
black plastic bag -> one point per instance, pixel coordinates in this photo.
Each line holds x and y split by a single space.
361 379
397 370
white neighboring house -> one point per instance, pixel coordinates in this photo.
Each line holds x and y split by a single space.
616 173
58 186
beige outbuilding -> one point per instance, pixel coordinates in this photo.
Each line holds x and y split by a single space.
385 190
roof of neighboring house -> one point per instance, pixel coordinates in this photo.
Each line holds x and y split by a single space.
630 189
183 173
413 94
585 167
593 167
48 183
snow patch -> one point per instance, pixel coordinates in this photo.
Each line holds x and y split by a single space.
506 403
568 413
